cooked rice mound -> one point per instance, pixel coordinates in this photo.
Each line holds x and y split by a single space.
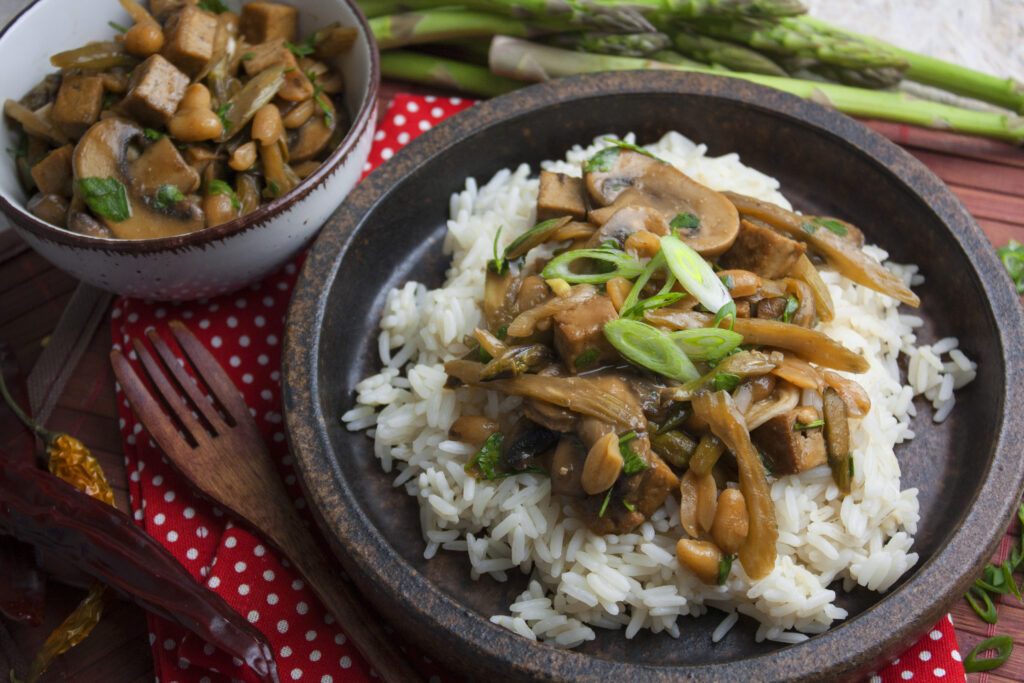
631 581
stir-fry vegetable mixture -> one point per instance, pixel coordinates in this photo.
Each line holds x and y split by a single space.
189 118
662 337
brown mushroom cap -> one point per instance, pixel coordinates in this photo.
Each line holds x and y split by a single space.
309 139
639 180
104 152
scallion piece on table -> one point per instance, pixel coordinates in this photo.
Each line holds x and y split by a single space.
988 614
650 348
1003 645
695 274
622 265
706 343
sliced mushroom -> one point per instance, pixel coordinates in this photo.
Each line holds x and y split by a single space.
105 151
783 399
626 221
312 137
639 180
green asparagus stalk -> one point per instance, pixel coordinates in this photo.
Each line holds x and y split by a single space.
444 73
522 59
730 55
604 15
867 77
791 38
673 57
1002 92
428 26
625 44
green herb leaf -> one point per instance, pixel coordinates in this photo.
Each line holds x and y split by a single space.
153 134
109 100
724 567
273 189
215 6
792 304
651 303
586 358
809 228
486 459
849 459
117 27
167 195
604 505
623 265
832 224
328 115
631 461
799 426
1012 256
684 221
650 348
498 264
726 381
222 114
247 56
706 343
502 332
622 144
1003 645
483 356
305 46
604 160
220 187
106 197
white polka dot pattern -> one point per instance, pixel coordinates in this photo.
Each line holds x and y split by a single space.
243 330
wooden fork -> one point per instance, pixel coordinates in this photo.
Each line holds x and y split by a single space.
225 458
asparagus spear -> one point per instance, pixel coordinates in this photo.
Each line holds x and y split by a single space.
428 26
529 61
791 38
445 73
673 57
626 44
1003 92
730 55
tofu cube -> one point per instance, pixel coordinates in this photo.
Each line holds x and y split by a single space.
154 91
162 164
78 104
579 337
263 21
560 195
53 174
189 37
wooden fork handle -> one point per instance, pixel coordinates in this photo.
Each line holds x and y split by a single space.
364 626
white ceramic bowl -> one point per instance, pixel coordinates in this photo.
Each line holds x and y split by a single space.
207 262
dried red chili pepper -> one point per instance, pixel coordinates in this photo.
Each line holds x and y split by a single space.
38 508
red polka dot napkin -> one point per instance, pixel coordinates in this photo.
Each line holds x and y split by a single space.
243 331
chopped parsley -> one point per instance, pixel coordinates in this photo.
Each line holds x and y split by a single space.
106 197
273 189
604 505
602 161
215 6
586 358
167 195
622 144
799 426
117 27
328 115
792 304
304 48
502 332
248 55
631 462
684 221
486 459
830 223
153 134
724 567
220 187
726 381
809 228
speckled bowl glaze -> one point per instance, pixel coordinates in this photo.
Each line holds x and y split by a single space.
968 469
207 262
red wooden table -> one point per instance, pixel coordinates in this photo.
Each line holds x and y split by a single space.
987 176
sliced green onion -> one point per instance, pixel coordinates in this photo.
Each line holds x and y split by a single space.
622 144
726 311
623 265
529 239
650 348
726 381
117 27
602 160
652 267
604 505
1003 645
631 462
497 265
724 567
706 343
650 303
629 506
695 274
586 358
989 614
1012 256
799 426
792 303
1008 576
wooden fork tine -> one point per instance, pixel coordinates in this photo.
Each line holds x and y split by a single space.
187 384
207 367
151 413
172 399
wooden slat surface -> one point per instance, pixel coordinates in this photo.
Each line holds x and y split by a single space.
987 176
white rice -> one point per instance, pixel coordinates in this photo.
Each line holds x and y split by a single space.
633 581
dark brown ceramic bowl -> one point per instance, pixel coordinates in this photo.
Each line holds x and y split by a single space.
968 469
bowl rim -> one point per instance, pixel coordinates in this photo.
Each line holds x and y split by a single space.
22 218
367 555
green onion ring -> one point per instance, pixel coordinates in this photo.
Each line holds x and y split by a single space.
695 274
650 348
706 343
624 266
1003 645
